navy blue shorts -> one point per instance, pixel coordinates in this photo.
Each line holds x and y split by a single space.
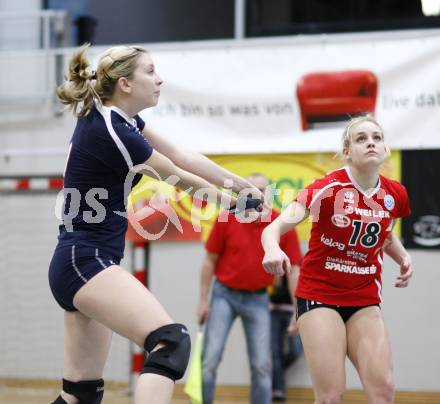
71 267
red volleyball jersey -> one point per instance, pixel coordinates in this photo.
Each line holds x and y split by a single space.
344 261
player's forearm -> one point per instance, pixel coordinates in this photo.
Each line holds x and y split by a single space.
211 171
166 170
294 214
202 189
396 250
270 238
196 163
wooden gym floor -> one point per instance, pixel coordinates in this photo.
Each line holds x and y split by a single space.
44 392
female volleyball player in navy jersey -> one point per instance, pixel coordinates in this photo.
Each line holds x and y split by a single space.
339 288
111 144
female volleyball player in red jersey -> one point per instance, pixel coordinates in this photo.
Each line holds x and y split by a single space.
353 211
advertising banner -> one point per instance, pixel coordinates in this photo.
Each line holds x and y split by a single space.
293 95
160 212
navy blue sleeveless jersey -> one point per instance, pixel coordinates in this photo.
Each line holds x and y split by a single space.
105 145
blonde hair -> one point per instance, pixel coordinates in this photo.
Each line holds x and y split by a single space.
79 92
347 134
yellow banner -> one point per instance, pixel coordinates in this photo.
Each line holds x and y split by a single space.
287 172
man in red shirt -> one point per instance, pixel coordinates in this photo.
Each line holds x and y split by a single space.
233 259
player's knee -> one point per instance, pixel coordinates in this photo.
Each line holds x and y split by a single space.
172 358
87 391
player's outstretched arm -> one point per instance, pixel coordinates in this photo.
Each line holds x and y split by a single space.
186 181
198 164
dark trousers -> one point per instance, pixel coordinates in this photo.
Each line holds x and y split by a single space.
285 348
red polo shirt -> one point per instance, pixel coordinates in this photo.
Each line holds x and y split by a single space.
238 246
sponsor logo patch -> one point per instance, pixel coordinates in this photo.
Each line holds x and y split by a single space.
351 269
332 243
341 220
389 202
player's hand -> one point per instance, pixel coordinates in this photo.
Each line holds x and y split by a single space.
292 329
276 262
406 273
203 310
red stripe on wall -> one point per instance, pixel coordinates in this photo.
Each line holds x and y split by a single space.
140 276
137 362
56 183
22 184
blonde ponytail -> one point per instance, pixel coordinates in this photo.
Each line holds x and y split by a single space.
78 91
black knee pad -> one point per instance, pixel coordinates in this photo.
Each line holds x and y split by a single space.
172 359
87 392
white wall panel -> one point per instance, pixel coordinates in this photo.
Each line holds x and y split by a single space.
19 32
31 336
